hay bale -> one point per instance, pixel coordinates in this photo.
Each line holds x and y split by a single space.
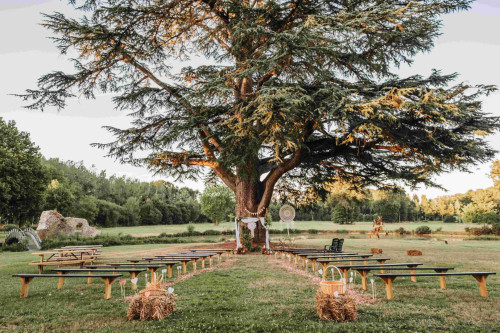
376 251
414 252
341 308
157 305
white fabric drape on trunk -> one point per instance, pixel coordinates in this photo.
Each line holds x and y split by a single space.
250 220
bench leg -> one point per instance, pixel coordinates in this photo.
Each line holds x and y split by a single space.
184 270
194 265
388 286
133 275
60 283
107 287
364 283
89 279
345 270
413 278
25 285
169 268
202 263
314 265
442 282
228 254
40 269
210 261
219 255
481 280
324 269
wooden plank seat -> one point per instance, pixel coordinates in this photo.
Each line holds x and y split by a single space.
201 256
325 262
314 258
345 268
363 271
151 267
228 251
184 261
480 277
26 279
134 272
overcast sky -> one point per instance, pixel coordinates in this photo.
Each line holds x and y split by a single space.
470 45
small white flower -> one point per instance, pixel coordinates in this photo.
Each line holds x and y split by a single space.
350 279
372 281
352 273
134 280
179 267
320 271
170 290
163 271
336 294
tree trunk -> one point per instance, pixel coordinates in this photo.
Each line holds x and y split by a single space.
248 197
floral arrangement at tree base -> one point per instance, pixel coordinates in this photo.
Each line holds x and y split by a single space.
336 307
152 303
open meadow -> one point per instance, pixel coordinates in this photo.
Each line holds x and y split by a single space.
155 230
256 293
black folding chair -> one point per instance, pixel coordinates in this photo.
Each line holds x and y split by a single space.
339 245
333 247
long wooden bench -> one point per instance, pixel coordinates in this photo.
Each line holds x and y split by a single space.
26 279
325 262
346 268
479 276
183 260
363 271
152 268
134 272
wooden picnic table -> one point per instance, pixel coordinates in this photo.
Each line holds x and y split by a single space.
59 258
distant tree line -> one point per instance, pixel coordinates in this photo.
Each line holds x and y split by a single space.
30 184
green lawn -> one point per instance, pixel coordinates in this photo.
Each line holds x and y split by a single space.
155 230
255 294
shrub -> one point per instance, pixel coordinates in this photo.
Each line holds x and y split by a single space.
14 247
423 230
401 231
312 231
342 231
212 233
190 228
362 232
439 229
449 219
256 249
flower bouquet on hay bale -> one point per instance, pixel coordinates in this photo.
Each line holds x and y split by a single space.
153 302
333 301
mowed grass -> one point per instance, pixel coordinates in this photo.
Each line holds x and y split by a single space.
154 230
255 294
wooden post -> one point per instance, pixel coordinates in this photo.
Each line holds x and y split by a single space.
442 281
25 285
388 286
60 284
202 263
313 265
481 280
381 261
184 270
210 261
40 269
133 275
219 257
169 267
345 270
89 279
194 264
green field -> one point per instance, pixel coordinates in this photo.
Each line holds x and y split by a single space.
255 294
154 230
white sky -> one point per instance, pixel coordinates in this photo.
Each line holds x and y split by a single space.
470 45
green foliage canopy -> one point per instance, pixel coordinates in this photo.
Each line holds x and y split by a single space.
217 202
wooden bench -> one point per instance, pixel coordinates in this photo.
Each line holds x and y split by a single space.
346 268
325 262
228 251
134 272
26 279
199 256
479 276
151 267
363 271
